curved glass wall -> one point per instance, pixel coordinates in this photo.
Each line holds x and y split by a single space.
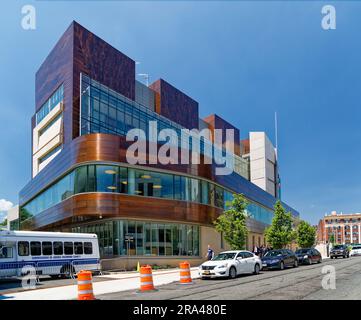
148 238
117 179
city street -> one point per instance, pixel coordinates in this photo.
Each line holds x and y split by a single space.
303 282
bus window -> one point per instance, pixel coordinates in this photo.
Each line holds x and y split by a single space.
78 247
58 248
88 248
6 252
35 248
68 248
23 248
47 248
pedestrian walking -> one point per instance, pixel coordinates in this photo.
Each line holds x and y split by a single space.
210 253
263 249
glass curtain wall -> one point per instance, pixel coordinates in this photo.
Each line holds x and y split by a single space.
116 179
149 238
106 111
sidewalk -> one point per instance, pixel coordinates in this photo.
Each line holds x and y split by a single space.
125 281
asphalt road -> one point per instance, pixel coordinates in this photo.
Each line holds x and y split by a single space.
304 282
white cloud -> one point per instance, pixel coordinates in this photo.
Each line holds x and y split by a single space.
5 205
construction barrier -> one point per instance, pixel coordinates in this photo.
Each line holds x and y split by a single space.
185 273
85 286
146 278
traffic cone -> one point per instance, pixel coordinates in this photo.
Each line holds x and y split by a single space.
146 279
185 273
85 286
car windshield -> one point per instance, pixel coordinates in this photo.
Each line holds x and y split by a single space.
356 247
338 247
274 253
302 251
224 256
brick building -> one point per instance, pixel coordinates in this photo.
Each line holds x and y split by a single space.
346 228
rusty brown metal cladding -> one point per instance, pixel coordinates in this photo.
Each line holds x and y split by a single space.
57 69
216 122
101 62
100 147
79 50
175 105
90 206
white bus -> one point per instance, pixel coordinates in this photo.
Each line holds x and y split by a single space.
50 253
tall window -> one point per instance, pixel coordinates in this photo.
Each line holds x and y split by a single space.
107 178
219 199
153 184
80 179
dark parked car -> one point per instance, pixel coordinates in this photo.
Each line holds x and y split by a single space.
279 259
308 256
340 251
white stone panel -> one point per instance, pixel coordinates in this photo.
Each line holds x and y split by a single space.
262 162
47 135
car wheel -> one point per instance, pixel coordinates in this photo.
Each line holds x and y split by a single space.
282 265
319 260
232 272
344 256
295 263
256 269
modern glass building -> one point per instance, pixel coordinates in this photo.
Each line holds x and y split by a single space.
87 100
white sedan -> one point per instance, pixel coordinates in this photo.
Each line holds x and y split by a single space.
355 251
230 264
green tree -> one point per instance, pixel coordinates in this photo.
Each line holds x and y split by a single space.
4 223
305 235
280 233
232 223
332 238
25 214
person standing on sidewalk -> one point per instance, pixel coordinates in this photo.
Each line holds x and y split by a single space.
255 250
210 253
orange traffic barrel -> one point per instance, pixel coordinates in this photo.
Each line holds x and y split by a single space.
185 273
146 278
85 286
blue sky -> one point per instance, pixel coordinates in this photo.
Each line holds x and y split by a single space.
242 60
